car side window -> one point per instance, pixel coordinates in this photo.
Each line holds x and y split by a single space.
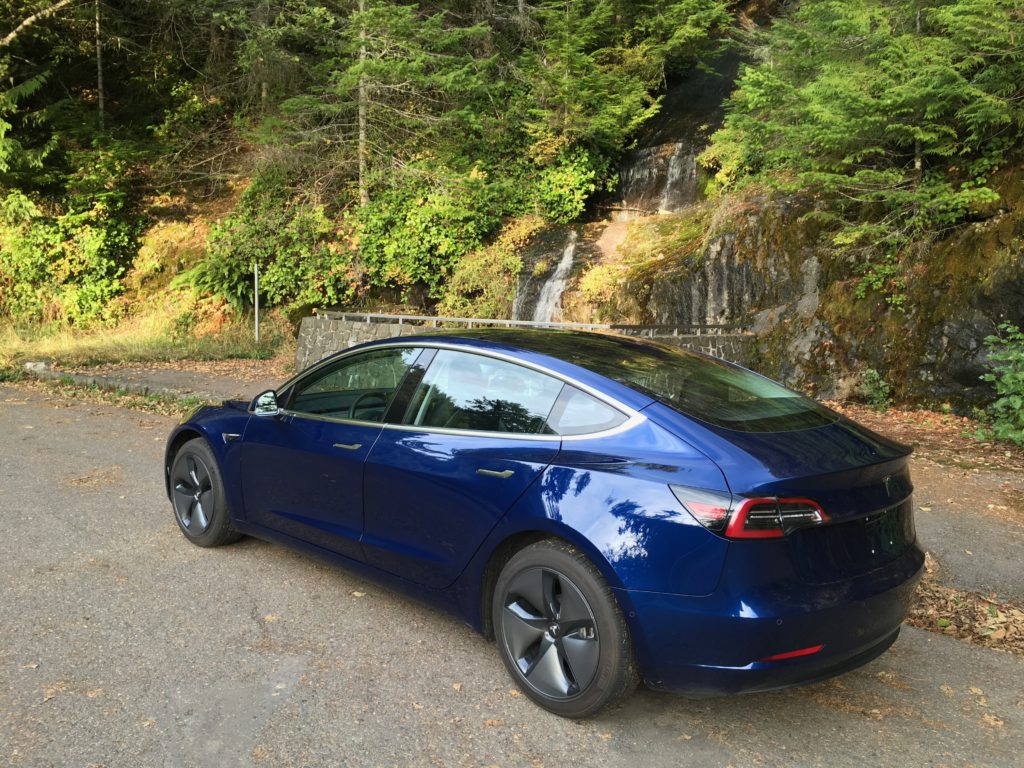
359 387
465 391
577 413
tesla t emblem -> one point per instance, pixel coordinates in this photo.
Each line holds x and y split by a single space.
887 482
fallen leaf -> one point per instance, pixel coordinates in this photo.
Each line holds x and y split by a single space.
606 736
493 722
259 753
269 618
49 691
976 691
684 737
94 693
513 692
992 720
33 665
457 686
357 593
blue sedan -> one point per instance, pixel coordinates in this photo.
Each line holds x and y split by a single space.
610 511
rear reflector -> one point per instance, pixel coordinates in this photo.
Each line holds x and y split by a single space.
794 654
737 517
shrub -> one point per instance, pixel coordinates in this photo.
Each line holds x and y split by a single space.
1006 413
875 390
66 263
563 188
416 234
291 240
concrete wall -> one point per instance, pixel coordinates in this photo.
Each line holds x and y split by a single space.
734 347
320 336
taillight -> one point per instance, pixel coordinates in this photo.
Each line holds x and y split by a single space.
737 517
709 508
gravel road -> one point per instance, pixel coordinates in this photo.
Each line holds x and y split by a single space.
122 645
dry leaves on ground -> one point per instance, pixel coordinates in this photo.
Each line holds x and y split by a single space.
240 369
972 616
943 437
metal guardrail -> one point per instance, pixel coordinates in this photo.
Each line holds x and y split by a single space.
472 322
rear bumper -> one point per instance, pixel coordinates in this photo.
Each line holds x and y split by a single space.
706 646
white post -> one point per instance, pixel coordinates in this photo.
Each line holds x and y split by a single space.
256 297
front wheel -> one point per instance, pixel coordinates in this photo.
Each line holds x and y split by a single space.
560 631
197 492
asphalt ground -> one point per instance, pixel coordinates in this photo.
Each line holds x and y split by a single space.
123 645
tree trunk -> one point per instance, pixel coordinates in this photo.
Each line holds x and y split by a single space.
99 67
918 164
364 195
37 16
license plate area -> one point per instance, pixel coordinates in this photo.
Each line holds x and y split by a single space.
844 550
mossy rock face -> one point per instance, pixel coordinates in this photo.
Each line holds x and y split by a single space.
762 261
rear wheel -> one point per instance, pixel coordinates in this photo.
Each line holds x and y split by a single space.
560 631
197 492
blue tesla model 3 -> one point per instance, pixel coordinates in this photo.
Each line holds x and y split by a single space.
609 510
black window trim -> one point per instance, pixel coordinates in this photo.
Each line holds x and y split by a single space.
633 416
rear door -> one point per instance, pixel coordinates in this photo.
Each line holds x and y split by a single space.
302 470
472 440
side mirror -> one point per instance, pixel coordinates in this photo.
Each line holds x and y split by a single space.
265 404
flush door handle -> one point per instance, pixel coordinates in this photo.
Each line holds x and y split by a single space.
349 446
504 475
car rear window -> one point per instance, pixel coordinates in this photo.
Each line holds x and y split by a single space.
473 392
710 390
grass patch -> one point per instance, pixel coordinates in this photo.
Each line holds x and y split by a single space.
140 340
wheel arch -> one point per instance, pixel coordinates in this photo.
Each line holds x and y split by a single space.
515 541
180 436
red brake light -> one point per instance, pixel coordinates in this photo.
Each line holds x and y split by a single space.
745 518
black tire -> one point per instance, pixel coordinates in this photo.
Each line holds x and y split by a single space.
571 653
197 495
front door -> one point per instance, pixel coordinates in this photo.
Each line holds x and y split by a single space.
302 471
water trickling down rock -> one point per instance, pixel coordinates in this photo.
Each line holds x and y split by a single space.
550 300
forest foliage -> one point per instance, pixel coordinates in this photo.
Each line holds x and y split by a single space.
374 145
894 114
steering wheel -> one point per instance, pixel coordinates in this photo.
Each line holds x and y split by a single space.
380 397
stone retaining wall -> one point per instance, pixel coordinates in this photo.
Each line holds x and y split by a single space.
320 336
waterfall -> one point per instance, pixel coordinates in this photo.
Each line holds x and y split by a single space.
550 300
680 180
662 178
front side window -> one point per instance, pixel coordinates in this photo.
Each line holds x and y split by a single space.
466 391
359 387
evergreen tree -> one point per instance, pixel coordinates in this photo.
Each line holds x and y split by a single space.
899 110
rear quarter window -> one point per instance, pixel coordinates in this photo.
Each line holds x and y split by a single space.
577 413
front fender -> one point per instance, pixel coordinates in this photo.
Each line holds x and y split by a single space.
217 425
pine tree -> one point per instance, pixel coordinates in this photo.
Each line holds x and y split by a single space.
898 110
